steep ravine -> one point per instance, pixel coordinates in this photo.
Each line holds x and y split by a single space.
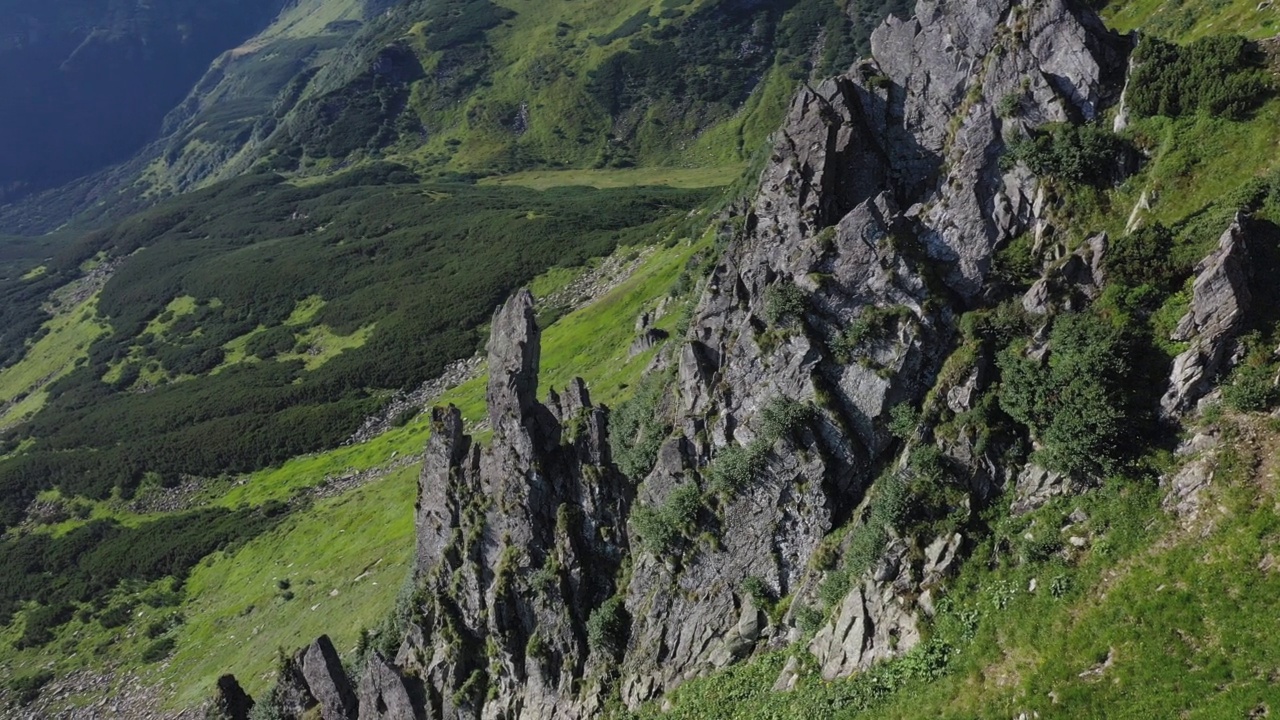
549 584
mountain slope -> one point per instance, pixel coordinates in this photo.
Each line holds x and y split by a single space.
891 423
480 88
86 85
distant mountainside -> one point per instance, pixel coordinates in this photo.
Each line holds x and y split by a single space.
87 84
454 87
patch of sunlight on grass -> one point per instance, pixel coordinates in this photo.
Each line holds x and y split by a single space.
344 560
66 341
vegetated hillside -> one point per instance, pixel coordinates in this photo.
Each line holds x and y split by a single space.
85 85
913 383
478 87
919 450
243 326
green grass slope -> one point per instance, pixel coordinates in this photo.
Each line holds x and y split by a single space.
1152 619
335 565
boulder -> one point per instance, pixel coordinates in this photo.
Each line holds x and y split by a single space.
328 682
230 701
1220 300
382 692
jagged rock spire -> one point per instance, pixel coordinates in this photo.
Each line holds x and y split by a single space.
515 349
517 544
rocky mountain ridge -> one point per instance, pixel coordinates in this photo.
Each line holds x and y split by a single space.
875 227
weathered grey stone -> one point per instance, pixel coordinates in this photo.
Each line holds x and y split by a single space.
328 681
518 543
1184 489
789 677
939 559
741 640
1059 60
1220 299
870 625
647 340
293 697
382 692
875 172
1036 486
1073 284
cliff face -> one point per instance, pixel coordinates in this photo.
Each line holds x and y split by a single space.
875 226
883 204
518 544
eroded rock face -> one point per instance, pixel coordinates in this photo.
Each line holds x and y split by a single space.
383 694
1036 486
230 701
870 625
518 544
293 696
880 181
327 681
1219 302
1071 286
961 60
875 224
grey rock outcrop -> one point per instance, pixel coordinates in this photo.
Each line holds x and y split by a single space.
518 544
383 694
870 625
959 60
293 697
1219 302
1185 487
876 222
1036 486
940 558
327 681
880 181
1074 284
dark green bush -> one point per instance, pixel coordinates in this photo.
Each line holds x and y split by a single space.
1222 75
1077 403
783 416
608 627
875 324
159 627
116 615
1252 388
1144 257
271 342
91 560
638 427
158 650
26 688
735 466
1078 154
659 529
42 621
904 420
451 23
784 303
